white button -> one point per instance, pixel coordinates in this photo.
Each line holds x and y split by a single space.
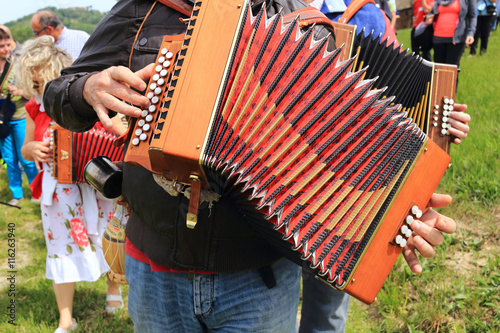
158 68
450 107
164 51
409 219
451 101
446 101
418 214
149 118
444 125
436 107
138 132
144 113
399 239
141 123
444 132
152 86
155 100
143 137
166 64
408 233
158 91
156 77
436 112
415 209
146 127
161 82
404 229
436 118
152 108
135 141
403 243
150 95
169 55
161 59
435 124
446 113
163 72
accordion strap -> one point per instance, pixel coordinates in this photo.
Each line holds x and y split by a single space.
352 9
179 6
308 16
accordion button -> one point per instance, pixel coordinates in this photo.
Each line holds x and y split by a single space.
403 243
156 77
163 72
146 127
435 124
399 239
135 141
404 229
446 113
408 233
161 81
414 210
445 119
436 112
158 68
152 108
409 219
153 86
446 101
444 132
158 91
436 107
141 122
436 118
138 132
451 101
444 125
166 64
169 55
150 95
155 100
164 51
143 137
161 59
144 113
149 118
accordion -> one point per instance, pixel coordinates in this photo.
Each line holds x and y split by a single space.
318 160
73 150
425 90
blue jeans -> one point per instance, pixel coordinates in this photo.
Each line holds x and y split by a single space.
324 309
10 147
224 302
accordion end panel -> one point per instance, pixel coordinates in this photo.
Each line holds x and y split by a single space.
382 253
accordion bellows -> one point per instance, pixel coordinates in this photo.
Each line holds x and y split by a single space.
315 158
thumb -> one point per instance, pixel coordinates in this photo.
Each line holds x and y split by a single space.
439 200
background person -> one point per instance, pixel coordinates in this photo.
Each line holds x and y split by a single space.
47 23
73 216
10 146
486 17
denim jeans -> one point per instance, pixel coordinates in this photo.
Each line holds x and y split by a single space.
324 309
224 302
10 147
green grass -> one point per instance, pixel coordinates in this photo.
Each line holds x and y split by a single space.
459 290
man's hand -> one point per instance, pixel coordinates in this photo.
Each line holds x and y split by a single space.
428 232
115 88
459 121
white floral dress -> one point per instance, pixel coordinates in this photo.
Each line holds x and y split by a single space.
74 218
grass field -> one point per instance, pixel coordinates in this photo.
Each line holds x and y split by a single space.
459 290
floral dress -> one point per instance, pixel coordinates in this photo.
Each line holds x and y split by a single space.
74 217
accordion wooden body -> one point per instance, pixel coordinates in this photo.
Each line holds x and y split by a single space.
73 150
320 162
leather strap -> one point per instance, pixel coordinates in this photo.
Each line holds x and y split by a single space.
179 6
308 16
352 9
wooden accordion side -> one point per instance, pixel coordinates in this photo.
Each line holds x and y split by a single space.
73 150
322 164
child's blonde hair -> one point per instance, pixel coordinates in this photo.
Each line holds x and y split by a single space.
40 56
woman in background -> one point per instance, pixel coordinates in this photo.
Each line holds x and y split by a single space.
74 216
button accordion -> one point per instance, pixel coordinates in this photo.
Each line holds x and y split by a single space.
73 150
319 161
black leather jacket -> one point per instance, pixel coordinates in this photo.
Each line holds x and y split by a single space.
222 241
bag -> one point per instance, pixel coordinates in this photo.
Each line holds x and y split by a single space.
423 36
7 109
